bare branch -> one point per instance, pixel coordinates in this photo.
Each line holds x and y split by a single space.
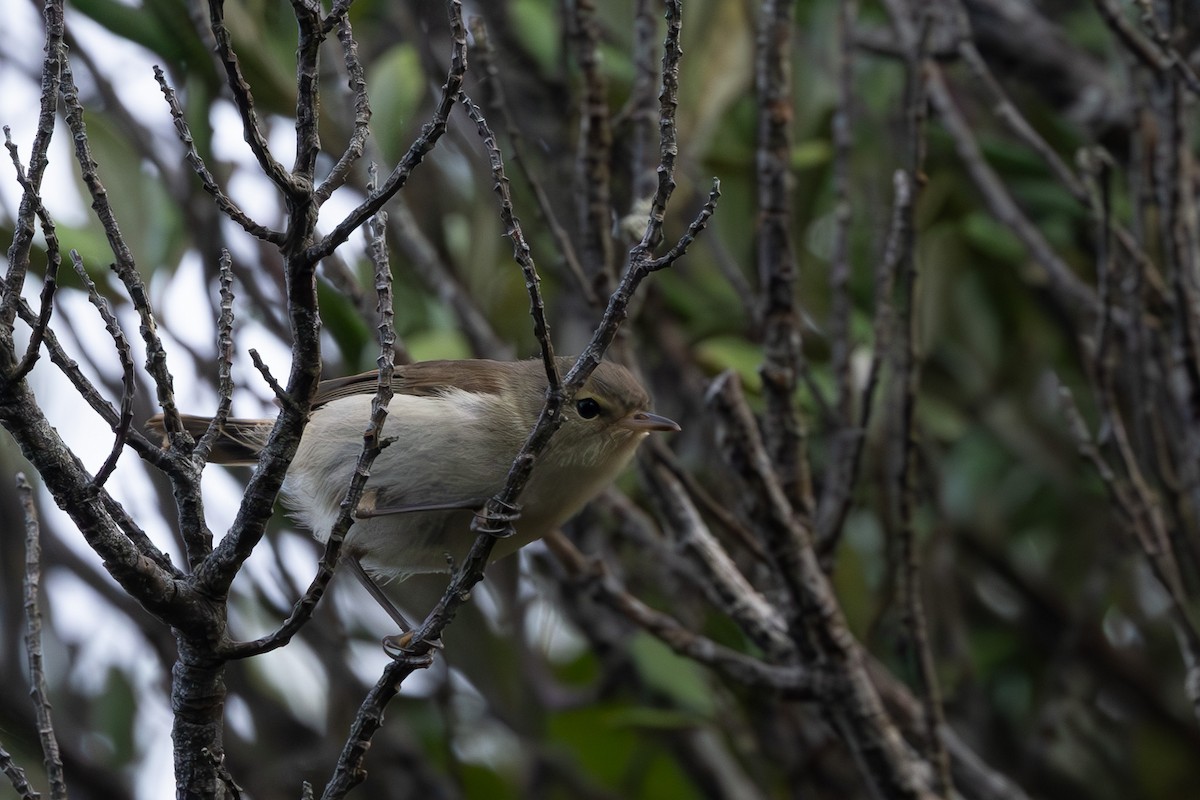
797 682
18 251
16 776
783 428
521 252
362 115
244 100
815 619
373 444
33 642
431 132
222 200
125 417
593 175
726 586
124 266
840 343
224 364
493 98
908 371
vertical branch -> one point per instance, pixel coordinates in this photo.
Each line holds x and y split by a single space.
18 251
373 444
308 106
841 473
783 428
835 501
908 370
251 129
595 153
362 114
224 363
349 771
641 101
668 138
33 643
839 268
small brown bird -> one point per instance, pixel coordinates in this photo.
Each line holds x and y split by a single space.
455 428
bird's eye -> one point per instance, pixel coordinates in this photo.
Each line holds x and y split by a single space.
587 407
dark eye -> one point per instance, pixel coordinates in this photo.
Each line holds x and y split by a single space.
587 407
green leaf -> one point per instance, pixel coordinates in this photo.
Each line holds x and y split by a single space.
811 153
398 85
677 677
992 238
737 353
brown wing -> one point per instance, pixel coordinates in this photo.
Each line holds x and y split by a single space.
424 379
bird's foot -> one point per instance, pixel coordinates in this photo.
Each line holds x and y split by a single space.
403 645
498 524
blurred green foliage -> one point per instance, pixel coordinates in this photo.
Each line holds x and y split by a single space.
1022 550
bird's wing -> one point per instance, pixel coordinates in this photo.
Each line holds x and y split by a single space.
423 379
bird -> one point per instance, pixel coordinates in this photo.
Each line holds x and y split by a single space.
453 430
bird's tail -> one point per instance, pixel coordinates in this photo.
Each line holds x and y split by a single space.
239 441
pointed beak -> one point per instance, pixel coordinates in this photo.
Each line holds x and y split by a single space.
644 422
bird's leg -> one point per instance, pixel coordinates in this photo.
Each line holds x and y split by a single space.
367 511
392 645
399 645
375 591
509 512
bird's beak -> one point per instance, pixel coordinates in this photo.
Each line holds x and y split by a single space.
644 422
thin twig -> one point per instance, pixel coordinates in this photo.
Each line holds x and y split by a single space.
23 230
1008 113
124 266
1158 55
49 281
725 584
349 771
521 252
593 175
842 135
783 429
281 394
223 202
708 504
33 642
244 101
1143 518
362 114
16 776
431 132
373 444
908 372
493 97
121 426
794 682
835 500
224 364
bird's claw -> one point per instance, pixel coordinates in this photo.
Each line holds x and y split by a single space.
498 524
402 646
